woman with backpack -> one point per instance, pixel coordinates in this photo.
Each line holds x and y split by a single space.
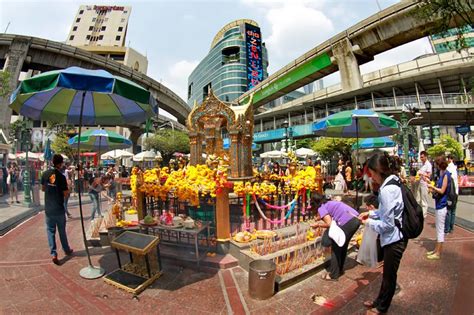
440 194
383 169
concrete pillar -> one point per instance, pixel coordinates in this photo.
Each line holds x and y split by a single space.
14 59
355 102
289 119
373 100
135 133
348 66
305 117
441 91
465 91
327 110
314 115
395 98
261 125
274 123
417 95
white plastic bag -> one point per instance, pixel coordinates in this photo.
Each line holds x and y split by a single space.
367 255
337 234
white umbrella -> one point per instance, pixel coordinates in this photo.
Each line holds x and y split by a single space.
41 156
273 155
116 154
31 156
304 153
146 156
367 153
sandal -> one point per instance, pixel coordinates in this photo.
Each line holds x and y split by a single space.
431 252
374 310
369 304
327 277
433 257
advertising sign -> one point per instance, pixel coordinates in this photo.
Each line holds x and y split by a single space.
426 135
253 40
463 130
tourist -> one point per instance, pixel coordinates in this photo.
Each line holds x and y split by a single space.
346 218
384 169
440 195
451 214
54 185
366 177
13 174
4 180
67 175
97 187
348 175
425 177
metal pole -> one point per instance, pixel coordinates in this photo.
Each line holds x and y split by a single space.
404 121
431 128
89 272
26 177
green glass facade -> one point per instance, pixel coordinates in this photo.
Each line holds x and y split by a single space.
224 69
447 41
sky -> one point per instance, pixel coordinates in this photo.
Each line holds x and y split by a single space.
176 34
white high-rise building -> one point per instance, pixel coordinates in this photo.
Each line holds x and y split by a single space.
99 25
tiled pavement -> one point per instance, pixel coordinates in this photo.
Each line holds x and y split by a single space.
30 283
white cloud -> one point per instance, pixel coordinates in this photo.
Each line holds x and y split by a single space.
176 77
398 55
295 27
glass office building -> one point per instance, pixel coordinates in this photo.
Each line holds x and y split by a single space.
449 41
236 62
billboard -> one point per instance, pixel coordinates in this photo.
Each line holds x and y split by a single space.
253 42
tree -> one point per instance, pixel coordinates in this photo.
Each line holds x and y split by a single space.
328 148
456 14
60 145
5 83
167 142
447 145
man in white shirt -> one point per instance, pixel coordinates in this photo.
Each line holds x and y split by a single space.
451 214
425 177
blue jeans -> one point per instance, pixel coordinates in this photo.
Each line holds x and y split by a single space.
95 205
65 206
450 217
59 222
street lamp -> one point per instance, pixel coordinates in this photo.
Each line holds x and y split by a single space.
26 133
285 125
428 108
405 122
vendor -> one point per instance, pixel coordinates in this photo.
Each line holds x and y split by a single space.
346 218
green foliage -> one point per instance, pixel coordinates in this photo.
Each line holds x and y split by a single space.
60 145
4 81
447 145
329 148
14 132
167 142
58 128
451 13
304 143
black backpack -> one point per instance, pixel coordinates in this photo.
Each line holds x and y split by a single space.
452 196
412 215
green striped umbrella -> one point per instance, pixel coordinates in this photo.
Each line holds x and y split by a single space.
100 140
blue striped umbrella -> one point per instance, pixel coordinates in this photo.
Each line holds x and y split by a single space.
370 143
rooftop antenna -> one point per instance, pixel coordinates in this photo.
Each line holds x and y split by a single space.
378 4
6 28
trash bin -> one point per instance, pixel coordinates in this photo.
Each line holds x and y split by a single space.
262 279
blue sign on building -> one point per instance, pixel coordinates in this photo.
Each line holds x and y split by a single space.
279 134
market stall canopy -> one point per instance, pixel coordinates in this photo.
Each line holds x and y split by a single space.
42 157
305 153
116 154
31 156
146 156
273 155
